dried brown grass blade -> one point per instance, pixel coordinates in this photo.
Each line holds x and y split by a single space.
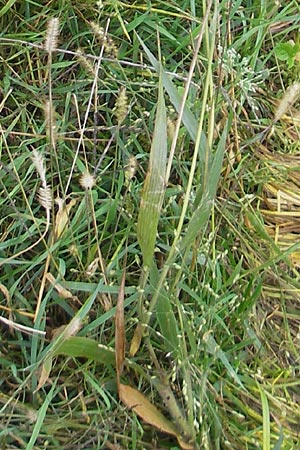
136 340
136 401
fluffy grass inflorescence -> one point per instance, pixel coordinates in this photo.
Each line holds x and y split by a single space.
153 304
52 35
45 194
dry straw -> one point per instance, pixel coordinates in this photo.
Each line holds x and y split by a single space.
289 98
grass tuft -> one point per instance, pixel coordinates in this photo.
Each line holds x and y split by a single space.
149 225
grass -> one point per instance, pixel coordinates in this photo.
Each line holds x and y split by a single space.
149 252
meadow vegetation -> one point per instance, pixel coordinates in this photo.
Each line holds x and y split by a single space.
149 222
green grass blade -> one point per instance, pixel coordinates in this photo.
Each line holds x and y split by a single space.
206 195
279 442
154 187
266 420
215 349
6 7
188 118
82 347
165 314
74 324
40 418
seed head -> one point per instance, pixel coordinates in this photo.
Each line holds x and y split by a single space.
87 181
52 35
121 106
107 42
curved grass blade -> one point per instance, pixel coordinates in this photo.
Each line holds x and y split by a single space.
41 416
83 347
215 349
266 419
6 7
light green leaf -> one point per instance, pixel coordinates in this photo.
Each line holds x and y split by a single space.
6 7
83 347
154 187
165 314
266 419
205 196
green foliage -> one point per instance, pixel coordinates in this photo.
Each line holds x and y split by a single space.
154 186
143 124
289 52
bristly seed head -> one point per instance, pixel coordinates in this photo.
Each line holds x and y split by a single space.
45 194
51 129
45 197
121 106
86 63
52 35
130 169
38 161
107 42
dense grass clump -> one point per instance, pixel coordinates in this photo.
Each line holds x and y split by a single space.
149 222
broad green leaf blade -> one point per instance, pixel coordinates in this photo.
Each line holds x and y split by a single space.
154 187
83 347
165 315
73 326
77 347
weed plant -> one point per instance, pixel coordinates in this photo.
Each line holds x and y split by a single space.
149 221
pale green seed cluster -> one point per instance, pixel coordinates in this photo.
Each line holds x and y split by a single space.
110 47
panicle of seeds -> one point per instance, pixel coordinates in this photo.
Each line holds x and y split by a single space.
105 40
130 169
289 98
121 106
86 63
52 35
